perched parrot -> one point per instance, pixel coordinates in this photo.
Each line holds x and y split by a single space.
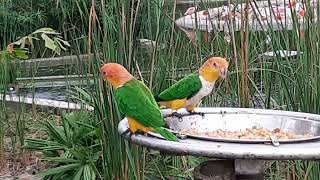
188 91
136 101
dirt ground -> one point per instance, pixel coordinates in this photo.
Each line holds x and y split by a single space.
23 164
20 166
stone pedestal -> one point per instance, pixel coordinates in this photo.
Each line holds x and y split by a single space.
249 169
215 170
230 170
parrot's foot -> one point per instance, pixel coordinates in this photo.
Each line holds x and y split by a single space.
139 132
131 134
126 132
166 125
175 114
197 113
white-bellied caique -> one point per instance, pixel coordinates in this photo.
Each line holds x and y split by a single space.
135 101
188 91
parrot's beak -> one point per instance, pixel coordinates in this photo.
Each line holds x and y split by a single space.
223 72
102 75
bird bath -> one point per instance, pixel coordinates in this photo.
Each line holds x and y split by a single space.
245 154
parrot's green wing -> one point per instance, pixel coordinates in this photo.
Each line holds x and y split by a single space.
146 90
135 100
186 87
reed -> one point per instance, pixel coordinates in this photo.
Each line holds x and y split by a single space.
110 29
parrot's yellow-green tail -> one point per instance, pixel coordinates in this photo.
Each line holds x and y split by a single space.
166 134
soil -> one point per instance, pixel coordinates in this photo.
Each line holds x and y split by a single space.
23 164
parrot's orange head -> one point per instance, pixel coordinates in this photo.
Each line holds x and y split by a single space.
213 68
115 74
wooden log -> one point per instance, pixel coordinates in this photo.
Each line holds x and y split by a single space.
57 61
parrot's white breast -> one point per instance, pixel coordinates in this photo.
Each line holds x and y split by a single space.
205 90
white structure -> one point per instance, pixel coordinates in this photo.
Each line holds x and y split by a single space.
261 16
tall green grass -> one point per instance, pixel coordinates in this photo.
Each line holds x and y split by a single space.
283 79
9 58
109 29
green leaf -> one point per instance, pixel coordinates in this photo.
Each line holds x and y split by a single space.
131 161
49 43
79 173
41 144
35 38
59 44
60 169
46 31
56 133
60 159
86 98
88 173
21 53
64 42
58 47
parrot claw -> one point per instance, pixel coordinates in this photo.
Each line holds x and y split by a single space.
126 132
139 132
175 114
166 125
197 113
130 135
136 133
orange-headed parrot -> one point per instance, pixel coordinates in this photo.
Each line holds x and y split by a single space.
135 101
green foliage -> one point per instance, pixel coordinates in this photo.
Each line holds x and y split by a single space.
23 17
109 29
21 48
74 147
7 70
55 43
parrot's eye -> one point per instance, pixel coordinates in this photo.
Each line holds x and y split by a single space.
104 72
214 64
